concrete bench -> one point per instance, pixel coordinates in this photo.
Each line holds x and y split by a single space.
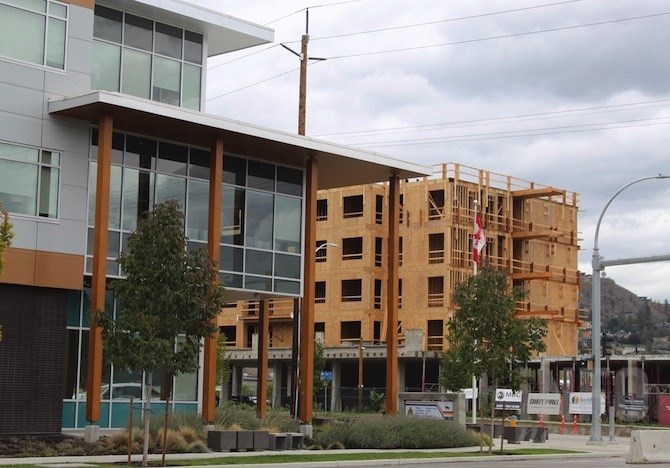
278 441
222 441
295 440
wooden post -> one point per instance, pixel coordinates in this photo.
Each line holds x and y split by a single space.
262 361
99 272
392 297
213 250
307 315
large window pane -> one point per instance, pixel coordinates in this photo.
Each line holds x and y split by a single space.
261 175
193 47
232 216
287 266
234 170
197 210
259 220
232 259
258 263
288 224
167 74
19 153
48 192
168 40
56 44
106 66
191 91
199 164
92 188
136 73
172 158
140 152
115 198
258 283
289 181
22 34
107 24
18 187
138 194
168 187
138 32
287 287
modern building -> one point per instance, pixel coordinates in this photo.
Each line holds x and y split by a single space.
101 116
531 233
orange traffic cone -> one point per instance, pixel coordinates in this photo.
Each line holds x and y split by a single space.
562 424
541 421
574 424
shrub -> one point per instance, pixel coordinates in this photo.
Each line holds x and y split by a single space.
231 413
395 432
174 442
198 447
189 434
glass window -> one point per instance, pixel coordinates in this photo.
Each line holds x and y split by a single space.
288 224
197 210
136 78
167 74
261 175
287 287
115 198
172 158
289 181
258 263
231 259
138 195
56 44
199 164
231 281
169 187
259 220
232 216
287 266
106 66
140 152
234 170
138 32
258 283
191 92
29 180
107 24
193 47
168 40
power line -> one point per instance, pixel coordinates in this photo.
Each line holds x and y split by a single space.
314 6
482 15
243 56
504 36
517 133
508 119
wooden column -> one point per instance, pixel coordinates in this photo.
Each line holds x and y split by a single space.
262 361
213 250
99 272
392 297
307 315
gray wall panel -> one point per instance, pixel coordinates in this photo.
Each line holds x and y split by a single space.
72 203
25 233
64 237
20 100
74 170
21 75
67 85
20 129
81 23
60 134
79 56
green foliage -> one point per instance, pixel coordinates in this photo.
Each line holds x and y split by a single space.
244 416
319 366
377 401
246 390
6 235
222 363
168 294
485 336
394 432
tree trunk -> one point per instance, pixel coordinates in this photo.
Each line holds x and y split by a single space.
147 417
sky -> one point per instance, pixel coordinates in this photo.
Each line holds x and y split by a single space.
571 94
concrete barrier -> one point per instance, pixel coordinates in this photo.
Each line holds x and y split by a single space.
650 446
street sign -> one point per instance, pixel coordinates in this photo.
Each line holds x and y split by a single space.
327 376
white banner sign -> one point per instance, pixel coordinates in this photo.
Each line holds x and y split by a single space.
544 403
469 392
582 402
430 409
508 399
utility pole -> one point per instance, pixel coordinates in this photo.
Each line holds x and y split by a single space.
302 112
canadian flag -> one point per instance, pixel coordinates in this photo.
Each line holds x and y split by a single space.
478 239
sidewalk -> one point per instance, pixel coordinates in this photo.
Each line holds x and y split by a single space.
555 441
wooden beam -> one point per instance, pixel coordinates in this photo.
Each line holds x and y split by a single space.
532 275
213 251
306 377
99 270
392 297
545 234
536 193
262 361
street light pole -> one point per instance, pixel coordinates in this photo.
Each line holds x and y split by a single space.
598 267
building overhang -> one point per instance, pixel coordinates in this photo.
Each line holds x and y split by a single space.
338 165
223 33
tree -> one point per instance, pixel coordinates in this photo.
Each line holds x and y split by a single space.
222 365
319 366
168 302
6 236
485 336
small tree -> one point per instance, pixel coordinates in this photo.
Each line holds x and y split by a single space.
6 236
319 366
222 365
485 336
168 302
